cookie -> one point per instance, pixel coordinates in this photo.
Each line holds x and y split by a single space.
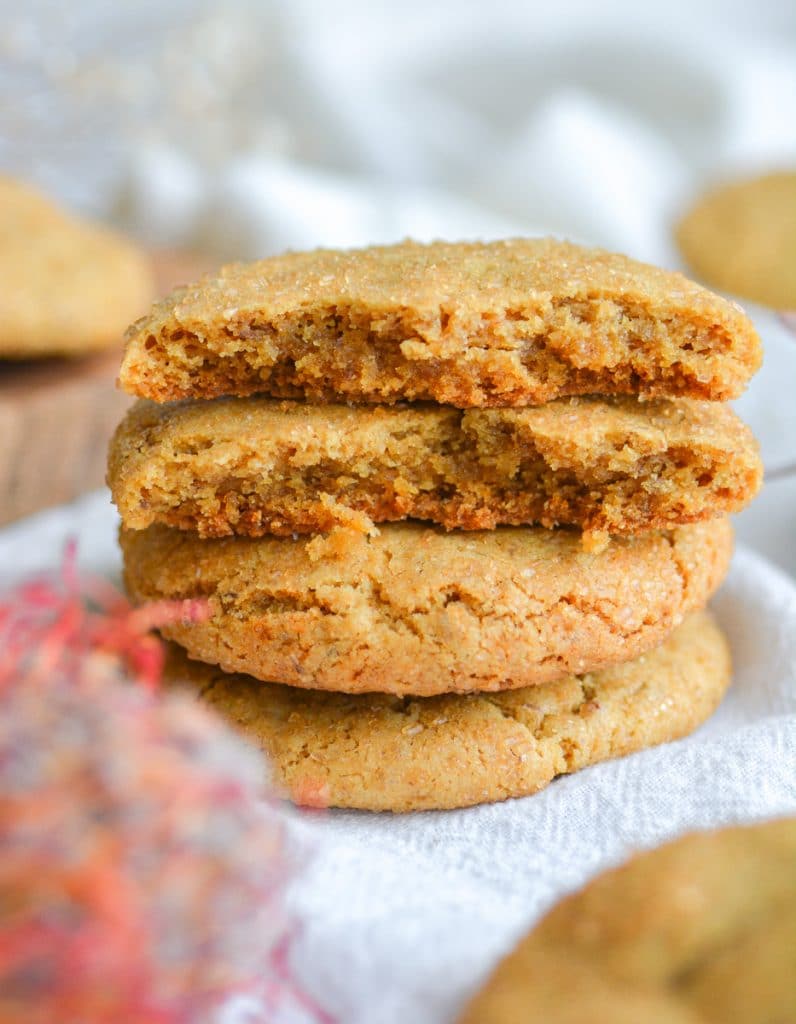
252 466
382 753
418 611
69 287
741 237
700 930
510 323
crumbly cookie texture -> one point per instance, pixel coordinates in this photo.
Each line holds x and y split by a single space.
741 237
511 323
701 931
69 287
419 611
253 466
382 753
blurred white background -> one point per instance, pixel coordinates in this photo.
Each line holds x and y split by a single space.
241 128
245 127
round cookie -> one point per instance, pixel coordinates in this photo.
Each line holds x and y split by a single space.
251 466
511 323
419 611
700 931
377 752
741 237
69 287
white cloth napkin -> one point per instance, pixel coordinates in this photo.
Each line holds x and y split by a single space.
402 917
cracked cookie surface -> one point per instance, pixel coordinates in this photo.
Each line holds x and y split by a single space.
253 466
69 286
419 611
700 931
377 752
511 323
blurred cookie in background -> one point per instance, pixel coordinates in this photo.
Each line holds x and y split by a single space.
69 290
70 287
698 931
741 237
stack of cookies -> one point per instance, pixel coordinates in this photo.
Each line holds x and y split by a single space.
457 509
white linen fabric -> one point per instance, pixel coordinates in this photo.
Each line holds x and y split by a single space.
401 917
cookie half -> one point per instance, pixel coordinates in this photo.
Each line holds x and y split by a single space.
701 930
257 466
69 286
419 611
382 753
510 323
741 237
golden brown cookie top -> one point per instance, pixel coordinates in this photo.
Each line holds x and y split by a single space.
700 930
473 277
69 286
514 322
741 237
